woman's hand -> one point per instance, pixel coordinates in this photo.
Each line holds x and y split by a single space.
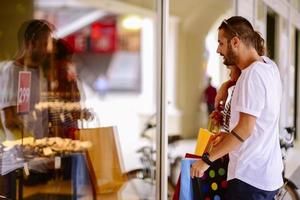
222 93
216 117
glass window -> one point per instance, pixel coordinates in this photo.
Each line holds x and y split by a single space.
78 105
80 92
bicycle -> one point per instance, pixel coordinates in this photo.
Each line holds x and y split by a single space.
148 161
289 190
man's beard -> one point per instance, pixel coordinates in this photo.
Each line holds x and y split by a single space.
231 57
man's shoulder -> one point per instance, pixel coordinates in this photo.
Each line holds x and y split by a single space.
262 72
7 66
261 67
265 64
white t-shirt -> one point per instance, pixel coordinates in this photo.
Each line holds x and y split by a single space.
258 160
35 121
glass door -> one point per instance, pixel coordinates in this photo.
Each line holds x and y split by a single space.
100 86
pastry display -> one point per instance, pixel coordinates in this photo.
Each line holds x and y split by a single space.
46 146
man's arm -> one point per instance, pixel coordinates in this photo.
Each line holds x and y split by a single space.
230 142
11 119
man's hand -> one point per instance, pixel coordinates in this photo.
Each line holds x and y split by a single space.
11 119
198 168
217 138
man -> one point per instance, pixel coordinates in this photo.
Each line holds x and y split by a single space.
35 42
210 93
255 165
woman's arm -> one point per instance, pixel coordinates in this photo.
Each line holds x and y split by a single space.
222 93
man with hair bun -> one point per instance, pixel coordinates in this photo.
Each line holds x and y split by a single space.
35 45
255 166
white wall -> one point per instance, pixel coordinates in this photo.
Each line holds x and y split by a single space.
246 9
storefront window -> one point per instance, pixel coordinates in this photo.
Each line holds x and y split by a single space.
92 105
78 109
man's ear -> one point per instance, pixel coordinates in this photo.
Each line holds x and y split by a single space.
235 42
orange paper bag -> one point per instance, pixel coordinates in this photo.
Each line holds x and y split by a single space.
204 141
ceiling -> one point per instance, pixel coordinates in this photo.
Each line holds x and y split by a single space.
195 15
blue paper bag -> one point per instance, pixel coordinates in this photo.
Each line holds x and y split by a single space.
212 185
186 187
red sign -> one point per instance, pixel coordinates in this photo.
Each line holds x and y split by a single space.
78 42
99 37
24 92
103 37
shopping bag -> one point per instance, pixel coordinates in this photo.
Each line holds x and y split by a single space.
177 188
204 141
207 137
104 158
186 186
212 185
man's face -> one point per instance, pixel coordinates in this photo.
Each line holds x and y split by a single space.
41 48
225 49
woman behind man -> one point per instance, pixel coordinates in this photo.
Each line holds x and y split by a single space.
234 75
63 88
228 87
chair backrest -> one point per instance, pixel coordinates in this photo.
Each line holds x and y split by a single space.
104 157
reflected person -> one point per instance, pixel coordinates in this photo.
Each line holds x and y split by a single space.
34 38
35 44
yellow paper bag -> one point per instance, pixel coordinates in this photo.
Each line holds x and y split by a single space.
203 141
